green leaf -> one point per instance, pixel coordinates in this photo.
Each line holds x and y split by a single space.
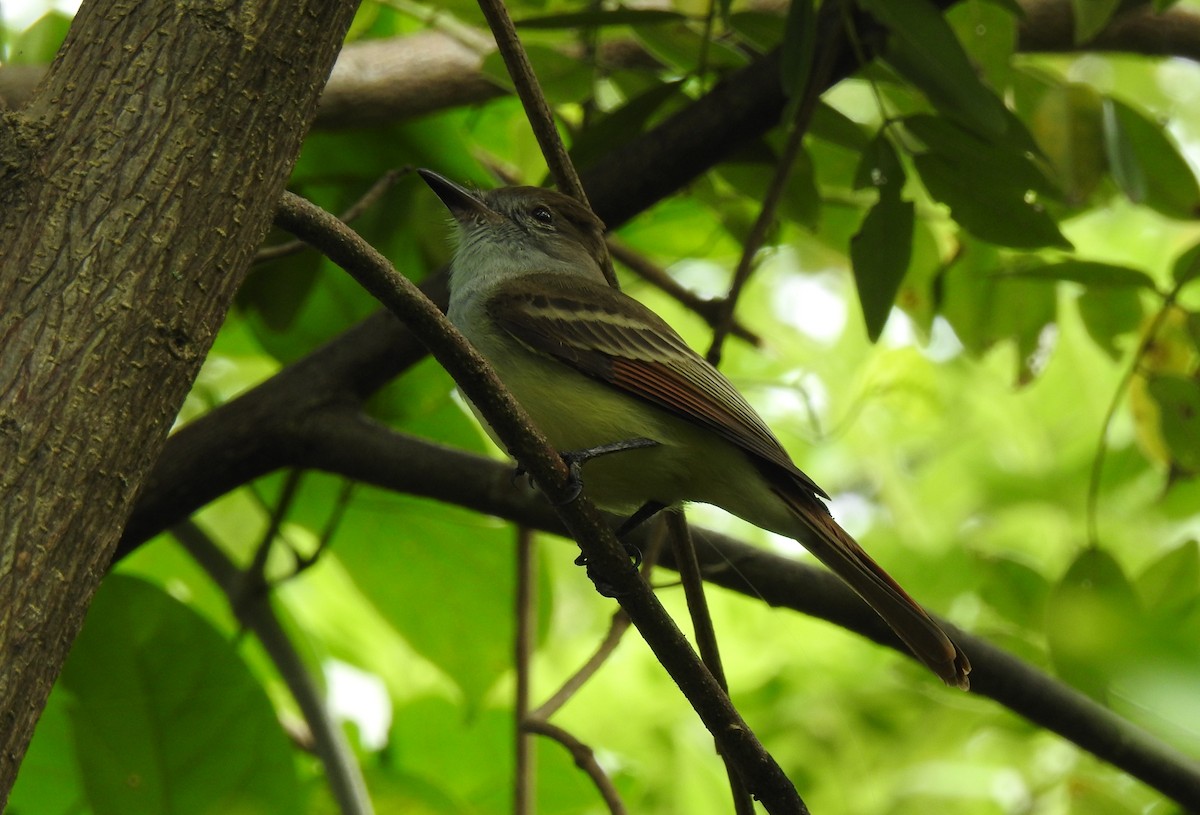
750 172
1123 163
1002 215
1016 591
879 254
986 165
1088 272
986 308
1091 16
880 167
991 188
623 124
762 30
1109 313
38 44
166 717
1178 400
1170 585
1067 126
833 126
1162 5
799 38
679 45
1187 266
1148 166
48 782
988 33
599 19
1092 613
564 79
924 49
427 567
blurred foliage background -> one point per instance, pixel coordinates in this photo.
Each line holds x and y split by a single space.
976 335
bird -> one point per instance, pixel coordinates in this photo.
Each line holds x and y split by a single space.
647 420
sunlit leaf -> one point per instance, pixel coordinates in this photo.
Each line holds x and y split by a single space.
924 49
1087 272
1170 586
988 33
1187 266
1122 160
762 30
1162 180
986 308
38 44
48 782
1110 313
680 45
1016 591
879 254
1093 611
1091 16
423 588
1178 400
1067 126
171 721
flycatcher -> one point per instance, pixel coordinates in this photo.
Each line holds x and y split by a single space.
596 369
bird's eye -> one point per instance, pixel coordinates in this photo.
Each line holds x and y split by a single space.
542 215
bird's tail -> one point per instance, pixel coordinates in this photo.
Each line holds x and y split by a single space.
842 554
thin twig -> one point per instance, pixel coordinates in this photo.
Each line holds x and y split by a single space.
758 234
306 562
585 760
702 626
710 311
368 199
818 80
537 110
525 781
255 613
1093 489
254 578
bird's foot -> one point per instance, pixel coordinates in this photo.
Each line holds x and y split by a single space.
575 459
644 513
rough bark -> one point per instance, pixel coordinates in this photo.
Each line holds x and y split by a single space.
134 189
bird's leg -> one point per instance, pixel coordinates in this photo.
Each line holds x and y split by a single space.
575 459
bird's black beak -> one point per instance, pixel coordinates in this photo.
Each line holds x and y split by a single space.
463 204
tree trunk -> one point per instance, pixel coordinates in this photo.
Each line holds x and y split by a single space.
134 189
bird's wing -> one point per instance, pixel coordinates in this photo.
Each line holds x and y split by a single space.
613 338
